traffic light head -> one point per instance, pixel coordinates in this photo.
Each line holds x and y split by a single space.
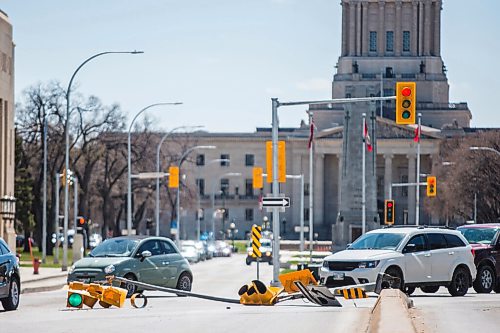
173 178
81 221
406 102
389 212
431 186
258 181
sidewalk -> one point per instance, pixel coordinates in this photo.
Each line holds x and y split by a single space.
47 279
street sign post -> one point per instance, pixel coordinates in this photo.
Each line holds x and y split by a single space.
276 202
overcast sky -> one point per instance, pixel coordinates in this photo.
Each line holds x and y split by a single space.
225 59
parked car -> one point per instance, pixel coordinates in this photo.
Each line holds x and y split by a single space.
60 236
266 249
94 240
10 280
222 249
154 260
422 257
190 252
485 241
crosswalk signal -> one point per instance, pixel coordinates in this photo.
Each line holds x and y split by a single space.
389 212
431 186
81 221
173 178
256 293
258 179
406 102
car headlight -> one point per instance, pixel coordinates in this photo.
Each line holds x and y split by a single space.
71 269
268 254
109 269
368 264
325 264
250 253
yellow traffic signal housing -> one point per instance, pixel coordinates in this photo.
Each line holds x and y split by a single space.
281 161
173 178
256 293
431 186
258 180
389 212
406 102
63 178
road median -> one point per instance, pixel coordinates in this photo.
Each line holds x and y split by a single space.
391 313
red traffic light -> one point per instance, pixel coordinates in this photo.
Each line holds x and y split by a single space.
389 204
81 221
406 92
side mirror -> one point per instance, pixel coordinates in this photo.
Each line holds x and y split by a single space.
144 254
348 245
409 248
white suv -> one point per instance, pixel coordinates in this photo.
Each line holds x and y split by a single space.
422 257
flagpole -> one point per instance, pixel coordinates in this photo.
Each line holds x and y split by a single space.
363 180
311 189
417 206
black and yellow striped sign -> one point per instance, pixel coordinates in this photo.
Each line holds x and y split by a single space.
352 293
256 236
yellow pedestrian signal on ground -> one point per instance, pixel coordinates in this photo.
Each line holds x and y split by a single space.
352 293
258 180
406 102
256 293
389 212
431 186
173 177
304 276
281 161
81 293
256 236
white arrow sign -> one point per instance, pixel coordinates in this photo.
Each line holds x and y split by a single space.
276 202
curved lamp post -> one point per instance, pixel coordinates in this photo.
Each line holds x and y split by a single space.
64 266
129 165
157 208
178 201
227 174
485 148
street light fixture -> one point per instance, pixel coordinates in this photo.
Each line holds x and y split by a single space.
485 148
178 203
129 165
64 266
227 174
157 208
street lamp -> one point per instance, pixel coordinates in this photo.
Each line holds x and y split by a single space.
227 174
129 166
232 227
178 201
265 222
64 266
157 208
485 148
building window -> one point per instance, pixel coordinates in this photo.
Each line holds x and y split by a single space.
200 159
347 95
224 186
248 187
380 186
389 42
373 41
224 157
306 189
249 160
306 214
249 214
404 189
200 184
406 41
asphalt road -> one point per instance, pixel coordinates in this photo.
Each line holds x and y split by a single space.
46 311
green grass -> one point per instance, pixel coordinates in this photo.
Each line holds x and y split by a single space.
26 258
240 245
287 270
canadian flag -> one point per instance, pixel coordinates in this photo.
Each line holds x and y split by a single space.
367 139
418 130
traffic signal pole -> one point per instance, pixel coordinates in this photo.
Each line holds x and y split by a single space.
417 206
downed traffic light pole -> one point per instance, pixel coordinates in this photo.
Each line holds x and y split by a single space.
296 285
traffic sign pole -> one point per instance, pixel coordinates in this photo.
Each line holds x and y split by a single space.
275 214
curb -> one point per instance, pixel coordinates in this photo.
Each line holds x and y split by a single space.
45 278
391 313
30 290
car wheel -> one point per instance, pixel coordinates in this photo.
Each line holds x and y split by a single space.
394 272
485 280
185 282
248 261
12 301
459 282
131 288
409 290
430 289
497 287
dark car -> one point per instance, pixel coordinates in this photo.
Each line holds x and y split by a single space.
485 241
10 282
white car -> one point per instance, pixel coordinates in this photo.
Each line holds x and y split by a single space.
422 257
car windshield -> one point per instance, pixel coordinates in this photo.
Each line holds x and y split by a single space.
115 247
265 243
479 235
377 241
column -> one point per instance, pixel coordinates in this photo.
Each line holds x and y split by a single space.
414 31
388 175
412 159
398 31
421 29
339 185
364 36
294 186
437 29
345 28
358 29
319 163
352 29
427 27
381 28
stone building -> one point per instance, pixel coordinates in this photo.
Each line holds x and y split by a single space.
7 135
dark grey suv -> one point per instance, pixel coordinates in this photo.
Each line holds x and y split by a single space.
10 282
